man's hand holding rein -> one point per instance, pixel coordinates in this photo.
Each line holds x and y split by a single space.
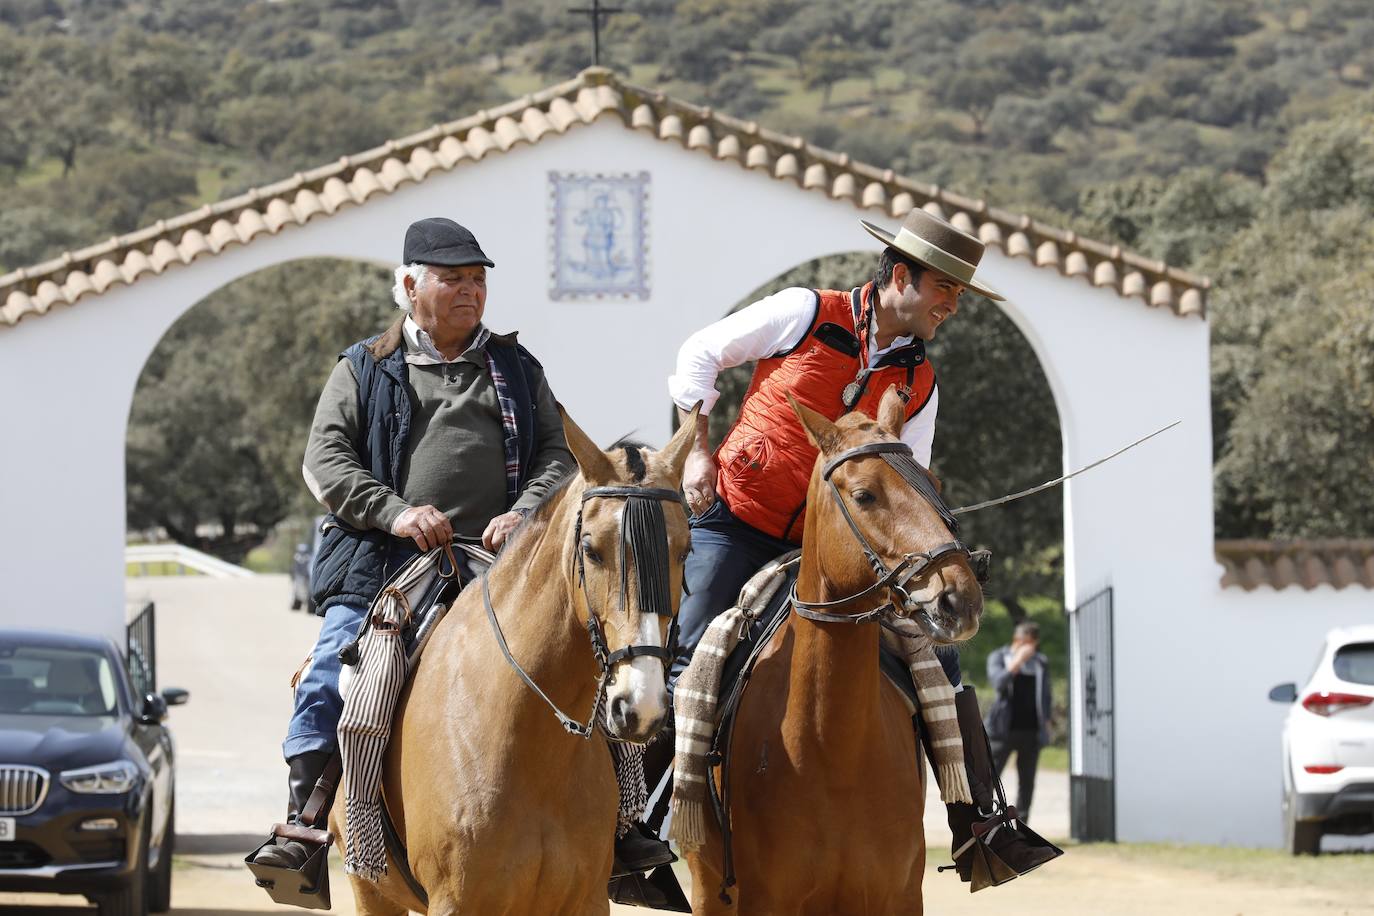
428 526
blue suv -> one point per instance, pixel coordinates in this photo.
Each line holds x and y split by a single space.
86 773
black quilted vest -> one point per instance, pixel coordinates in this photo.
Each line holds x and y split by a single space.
351 565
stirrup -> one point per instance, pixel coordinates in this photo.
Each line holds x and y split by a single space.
307 886
657 890
989 868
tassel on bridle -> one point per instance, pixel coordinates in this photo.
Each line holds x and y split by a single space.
644 528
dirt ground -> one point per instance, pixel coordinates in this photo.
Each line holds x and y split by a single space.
1110 881
234 645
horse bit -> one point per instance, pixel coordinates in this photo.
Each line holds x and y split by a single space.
913 565
644 529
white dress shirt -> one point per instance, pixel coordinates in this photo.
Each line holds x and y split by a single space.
765 328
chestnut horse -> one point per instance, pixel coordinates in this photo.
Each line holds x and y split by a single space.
827 787
501 809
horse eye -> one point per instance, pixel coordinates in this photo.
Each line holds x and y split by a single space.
589 552
863 497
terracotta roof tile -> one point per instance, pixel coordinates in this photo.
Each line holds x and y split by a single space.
592 95
1306 563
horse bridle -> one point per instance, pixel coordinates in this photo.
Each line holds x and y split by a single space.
643 529
899 456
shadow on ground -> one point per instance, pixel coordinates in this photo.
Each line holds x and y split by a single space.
211 844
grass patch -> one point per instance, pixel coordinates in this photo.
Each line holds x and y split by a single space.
133 570
1343 871
1054 758
266 559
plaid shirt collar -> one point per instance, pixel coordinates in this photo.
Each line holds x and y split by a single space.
420 349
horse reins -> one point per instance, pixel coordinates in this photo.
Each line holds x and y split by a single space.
900 458
644 530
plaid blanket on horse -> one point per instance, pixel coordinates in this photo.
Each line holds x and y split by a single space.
696 703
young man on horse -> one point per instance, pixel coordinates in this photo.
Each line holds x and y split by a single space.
438 427
834 351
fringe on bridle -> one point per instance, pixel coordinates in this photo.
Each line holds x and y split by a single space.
644 530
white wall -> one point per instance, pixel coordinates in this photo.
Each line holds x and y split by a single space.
1118 369
1254 641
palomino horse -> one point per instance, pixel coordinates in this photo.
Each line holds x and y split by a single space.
827 789
501 809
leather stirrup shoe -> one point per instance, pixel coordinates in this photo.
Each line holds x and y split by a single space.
305 771
657 890
990 846
638 851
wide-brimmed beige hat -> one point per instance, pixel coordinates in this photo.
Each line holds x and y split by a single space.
937 245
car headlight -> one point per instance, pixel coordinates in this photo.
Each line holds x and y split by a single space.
103 779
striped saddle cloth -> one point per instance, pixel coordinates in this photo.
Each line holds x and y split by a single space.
393 635
715 680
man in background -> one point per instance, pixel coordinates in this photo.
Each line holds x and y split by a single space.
1019 719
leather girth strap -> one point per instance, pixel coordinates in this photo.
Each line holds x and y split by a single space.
400 855
720 753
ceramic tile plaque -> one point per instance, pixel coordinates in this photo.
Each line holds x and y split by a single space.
598 235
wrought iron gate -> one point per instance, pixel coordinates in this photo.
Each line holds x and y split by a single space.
1092 721
141 649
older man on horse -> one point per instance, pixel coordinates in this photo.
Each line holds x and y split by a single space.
434 429
834 351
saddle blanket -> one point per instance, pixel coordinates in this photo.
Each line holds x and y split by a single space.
720 668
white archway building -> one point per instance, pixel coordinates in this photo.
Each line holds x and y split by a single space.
1123 340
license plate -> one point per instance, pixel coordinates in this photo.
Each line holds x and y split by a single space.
6 829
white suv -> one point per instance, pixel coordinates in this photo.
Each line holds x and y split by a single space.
1328 744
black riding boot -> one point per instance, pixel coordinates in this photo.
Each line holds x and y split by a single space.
1010 844
639 850
305 771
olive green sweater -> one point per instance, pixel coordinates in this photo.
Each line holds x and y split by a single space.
455 457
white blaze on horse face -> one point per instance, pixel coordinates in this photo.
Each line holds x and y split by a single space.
640 684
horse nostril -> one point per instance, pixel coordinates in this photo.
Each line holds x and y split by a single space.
623 714
950 604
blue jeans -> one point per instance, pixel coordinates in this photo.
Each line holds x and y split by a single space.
315 721
726 552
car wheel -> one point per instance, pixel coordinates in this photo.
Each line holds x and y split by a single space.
1300 837
160 881
132 899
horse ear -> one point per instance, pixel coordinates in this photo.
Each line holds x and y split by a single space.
819 430
596 465
892 412
680 446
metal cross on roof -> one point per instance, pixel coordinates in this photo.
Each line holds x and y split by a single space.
596 11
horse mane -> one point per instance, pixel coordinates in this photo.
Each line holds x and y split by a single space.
634 462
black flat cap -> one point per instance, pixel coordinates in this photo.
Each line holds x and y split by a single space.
444 243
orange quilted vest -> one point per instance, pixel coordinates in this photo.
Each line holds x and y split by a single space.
765 460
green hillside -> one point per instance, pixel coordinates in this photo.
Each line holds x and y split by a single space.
1232 137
